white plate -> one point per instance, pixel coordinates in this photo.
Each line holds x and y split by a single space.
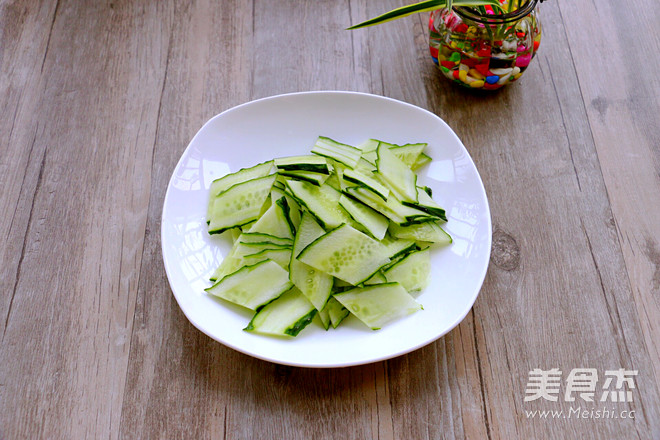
288 125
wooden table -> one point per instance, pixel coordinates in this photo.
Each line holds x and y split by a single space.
99 100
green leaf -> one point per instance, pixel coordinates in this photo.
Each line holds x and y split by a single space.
424 6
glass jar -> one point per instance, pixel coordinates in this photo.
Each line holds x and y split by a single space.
480 49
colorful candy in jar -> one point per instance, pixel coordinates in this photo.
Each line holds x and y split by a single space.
483 56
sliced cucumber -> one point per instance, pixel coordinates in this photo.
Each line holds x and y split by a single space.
379 304
377 278
376 224
345 253
368 145
293 211
258 237
253 286
368 182
317 179
243 175
274 222
324 317
427 204
314 284
309 162
429 232
240 204
412 272
422 160
397 173
336 311
285 316
408 153
343 153
322 202
280 256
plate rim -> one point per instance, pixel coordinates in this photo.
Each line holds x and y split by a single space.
481 278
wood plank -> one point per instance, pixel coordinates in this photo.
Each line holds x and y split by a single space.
561 229
622 103
72 311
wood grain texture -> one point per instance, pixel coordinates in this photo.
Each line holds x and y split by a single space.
101 98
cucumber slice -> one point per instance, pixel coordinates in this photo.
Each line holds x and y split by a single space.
317 179
258 237
397 173
422 160
390 208
274 222
377 278
293 211
240 204
398 246
285 316
376 224
366 181
309 162
408 153
367 163
280 256
343 153
336 312
378 304
321 202
429 232
345 253
253 286
412 272
324 317
243 175
314 284
368 145
427 204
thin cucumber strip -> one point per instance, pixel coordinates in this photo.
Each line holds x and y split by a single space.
397 173
293 211
285 316
240 204
429 232
336 312
317 179
280 256
235 258
390 208
422 160
368 145
378 304
258 237
274 222
377 278
408 153
243 175
376 224
314 284
398 246
367 163
345 253
412 272
346 154
253 286
427 204
321 202
324 317
368 182
311 162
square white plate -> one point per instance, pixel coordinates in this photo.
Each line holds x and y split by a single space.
288 125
